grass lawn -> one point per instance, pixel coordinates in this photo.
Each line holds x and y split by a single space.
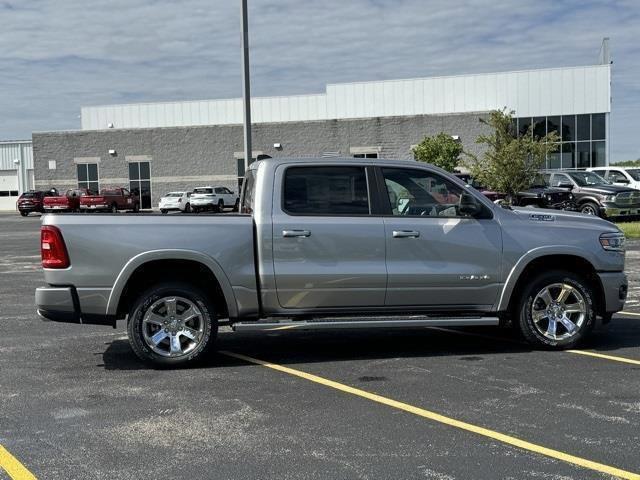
630 229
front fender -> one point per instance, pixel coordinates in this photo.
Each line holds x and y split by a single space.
531 255
171 254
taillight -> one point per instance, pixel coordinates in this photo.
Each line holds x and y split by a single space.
52 248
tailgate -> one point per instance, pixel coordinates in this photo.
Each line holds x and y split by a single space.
92 200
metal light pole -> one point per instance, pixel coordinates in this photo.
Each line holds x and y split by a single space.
246 86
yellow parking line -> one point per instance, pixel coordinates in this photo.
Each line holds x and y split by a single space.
516 442
606 357
13 467
630 313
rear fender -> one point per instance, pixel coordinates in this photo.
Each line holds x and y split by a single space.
172 254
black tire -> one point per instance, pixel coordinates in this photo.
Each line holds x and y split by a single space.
525 307
136 208
164 211
195 209
236 206
156 293
220 206
23 213
590 208
114 208
187 208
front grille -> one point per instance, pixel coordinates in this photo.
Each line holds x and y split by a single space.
628 198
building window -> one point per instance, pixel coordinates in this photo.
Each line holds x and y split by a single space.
582 138
88 176
365 155
140 182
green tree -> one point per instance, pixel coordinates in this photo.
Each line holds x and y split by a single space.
440 150
627 163
510 162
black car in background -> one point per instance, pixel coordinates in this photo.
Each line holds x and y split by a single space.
594 195
539 195
33 201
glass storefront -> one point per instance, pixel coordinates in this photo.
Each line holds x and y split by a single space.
583 138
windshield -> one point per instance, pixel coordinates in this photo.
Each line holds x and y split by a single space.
634 172
539 181
585 179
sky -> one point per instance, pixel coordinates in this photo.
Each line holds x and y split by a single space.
59 55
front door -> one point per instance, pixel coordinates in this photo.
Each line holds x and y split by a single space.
436 256
328 250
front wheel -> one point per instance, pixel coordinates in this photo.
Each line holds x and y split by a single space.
589 208
236 206
172 324
164 211
220 207
187 208
23 213
556 310
114 208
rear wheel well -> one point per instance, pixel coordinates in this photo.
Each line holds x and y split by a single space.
570 263
186 271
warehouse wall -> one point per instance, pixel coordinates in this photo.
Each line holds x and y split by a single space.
185 157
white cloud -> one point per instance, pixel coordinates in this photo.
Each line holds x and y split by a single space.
60 55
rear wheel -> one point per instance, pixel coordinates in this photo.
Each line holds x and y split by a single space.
236 206
23 213
556 310
589 208
172 324
164 210
136 208
220 207
187 208
114 208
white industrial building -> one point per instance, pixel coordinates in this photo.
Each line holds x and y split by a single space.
16 171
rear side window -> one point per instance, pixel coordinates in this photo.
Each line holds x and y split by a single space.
248 192
203 190
331 190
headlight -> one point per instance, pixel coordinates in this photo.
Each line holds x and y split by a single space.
612 241
610 198
571 196
549 198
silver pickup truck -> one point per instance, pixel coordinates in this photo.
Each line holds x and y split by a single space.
334 243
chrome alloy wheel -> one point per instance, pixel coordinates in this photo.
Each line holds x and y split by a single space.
559 310
173 326
589 210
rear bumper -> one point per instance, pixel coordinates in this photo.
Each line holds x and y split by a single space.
30 208
62 304
95 207
614 287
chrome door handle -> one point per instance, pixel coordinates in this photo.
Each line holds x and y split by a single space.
405 234
296 233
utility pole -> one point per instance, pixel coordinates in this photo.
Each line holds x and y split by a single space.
246 86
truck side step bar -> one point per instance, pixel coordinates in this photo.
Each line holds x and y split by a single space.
385 322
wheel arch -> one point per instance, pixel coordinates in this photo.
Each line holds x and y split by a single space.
533 264
184 264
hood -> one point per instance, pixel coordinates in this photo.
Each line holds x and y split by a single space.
606 189
552 217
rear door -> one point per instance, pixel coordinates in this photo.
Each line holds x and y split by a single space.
437 257
328 247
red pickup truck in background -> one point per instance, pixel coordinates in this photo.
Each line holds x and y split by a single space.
112 200
69 202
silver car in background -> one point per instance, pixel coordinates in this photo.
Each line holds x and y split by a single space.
175 201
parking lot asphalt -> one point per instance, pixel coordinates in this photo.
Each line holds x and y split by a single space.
75 403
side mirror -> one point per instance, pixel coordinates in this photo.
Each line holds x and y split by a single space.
565 185
469 205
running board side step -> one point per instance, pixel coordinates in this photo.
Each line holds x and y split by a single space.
365 324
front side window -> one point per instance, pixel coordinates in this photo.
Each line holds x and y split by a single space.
414 192
560 179
330 190
615 176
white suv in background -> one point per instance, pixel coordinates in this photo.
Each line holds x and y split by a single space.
623 176
175 201
213 198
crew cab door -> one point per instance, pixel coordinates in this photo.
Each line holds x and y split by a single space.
328 248
437 256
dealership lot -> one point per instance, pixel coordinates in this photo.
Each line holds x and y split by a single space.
76 403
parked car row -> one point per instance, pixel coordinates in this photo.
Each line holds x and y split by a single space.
78 200
215 199
607 192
